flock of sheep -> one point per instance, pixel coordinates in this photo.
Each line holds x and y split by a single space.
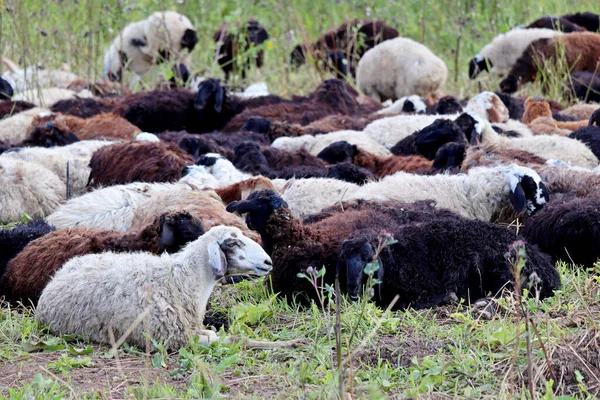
142 202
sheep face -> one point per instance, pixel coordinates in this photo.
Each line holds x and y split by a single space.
338 152
259 206
449 156
235 254
194 146
509 85
432 137
527 191
178 229
297 58
210 94
478 64
447 105
356 254
189 39
595 118
6 90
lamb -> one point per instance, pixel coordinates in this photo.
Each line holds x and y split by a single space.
585 85
567 230
422 268
30 271
557 24
137 161
181 282
501 54
77 155
294 246
29 188
9 108
14 129
422 73
580 50
14 240
83 107
142 44
588 20
230 45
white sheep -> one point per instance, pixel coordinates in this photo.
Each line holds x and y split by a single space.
48 96
504 50
121 297
400 67
13 130
314 144
30 77
221 169
28 188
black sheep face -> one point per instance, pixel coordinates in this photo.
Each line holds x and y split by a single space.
210 95
245 147
509 85
432 137
478 64
355 255
208 160
189 40
470 127
194 146
338 63
350 173
257 33
595 118
258 207
6 90
257 124
297 58
450 156
448 105
527 191
338 152
176 230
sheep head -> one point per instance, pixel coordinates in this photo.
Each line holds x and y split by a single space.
338 152
527 191
510 84
232 253
450 156
355 255
595 118
432 137
258 206
210 94
189 40
447 105
257 33
177 229
478 64
257 124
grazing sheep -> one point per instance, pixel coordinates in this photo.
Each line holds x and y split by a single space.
9 108
83 107
137 161
13 129
30 271
556 23
404 67
295 246
13 240
77 155
567 230
28 188
585 85
230 45
501 54
426 268
174 303
580 50
588 20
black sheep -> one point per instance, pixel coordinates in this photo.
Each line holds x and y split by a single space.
587 20
12 241
568 230
446 105
429 139
557 24
590 135
434 261
585 85
450 156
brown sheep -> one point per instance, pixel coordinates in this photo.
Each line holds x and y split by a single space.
137 161
241 190
581 49
28 273
84 107
102 126
538 116
8 107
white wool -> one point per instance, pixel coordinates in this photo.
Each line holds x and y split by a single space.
504 50
13 129
390 130
147 137
47 97
314 144
400 67
311 195
31 78
255 90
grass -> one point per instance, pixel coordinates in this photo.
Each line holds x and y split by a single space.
446 352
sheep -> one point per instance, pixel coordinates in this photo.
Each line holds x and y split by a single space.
83 107
14 129
137 161
181 283
28 188
295 246
407 104
556 23
6 89
585 85
580 111
332 96
588 20
10 108
222 169
13 240
590 135
538 117
47 97
567 230
423 73
425 267
230 45
490 155
33 77
30 271
77 155
241 190
501 54
580 51
488 106
196 145
142 44
315 144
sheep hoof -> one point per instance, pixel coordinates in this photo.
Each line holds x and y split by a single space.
485 308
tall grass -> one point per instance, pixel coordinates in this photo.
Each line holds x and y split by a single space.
77 32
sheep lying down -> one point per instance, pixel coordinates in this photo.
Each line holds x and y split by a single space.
128 294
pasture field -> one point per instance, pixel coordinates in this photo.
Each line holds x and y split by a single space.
529 349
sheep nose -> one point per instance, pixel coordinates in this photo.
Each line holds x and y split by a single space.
269 262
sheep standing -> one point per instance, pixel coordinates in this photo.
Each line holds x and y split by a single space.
169 292
30 271
400 67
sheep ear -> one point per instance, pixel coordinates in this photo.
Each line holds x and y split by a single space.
517 197
242 206
167 236
216 259
219 99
